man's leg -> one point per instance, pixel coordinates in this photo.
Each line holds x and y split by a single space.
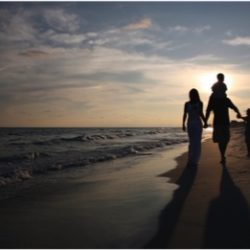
222 148
223 136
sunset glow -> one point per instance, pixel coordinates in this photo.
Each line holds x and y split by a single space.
208 79
118 63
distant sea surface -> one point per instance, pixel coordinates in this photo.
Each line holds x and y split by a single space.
25 152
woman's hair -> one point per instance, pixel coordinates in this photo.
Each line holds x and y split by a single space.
248 112
194 96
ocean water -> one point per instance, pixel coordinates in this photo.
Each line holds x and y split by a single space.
117 201
25 152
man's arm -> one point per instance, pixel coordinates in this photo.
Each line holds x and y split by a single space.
233 107
207 116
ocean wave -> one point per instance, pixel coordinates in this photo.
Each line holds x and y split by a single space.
22 167
16 176
22 157
85 138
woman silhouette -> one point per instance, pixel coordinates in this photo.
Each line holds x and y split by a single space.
194 110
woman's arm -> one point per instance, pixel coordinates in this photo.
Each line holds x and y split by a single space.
203 116
184 117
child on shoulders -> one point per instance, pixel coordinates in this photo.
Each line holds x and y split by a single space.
219 88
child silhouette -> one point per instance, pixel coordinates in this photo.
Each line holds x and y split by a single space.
219 88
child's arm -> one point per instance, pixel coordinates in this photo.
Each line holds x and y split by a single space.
244 118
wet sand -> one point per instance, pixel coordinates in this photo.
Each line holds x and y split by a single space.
113 205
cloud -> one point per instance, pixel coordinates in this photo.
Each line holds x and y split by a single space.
239 40
200 30
72 69
229 33
142 24
100 67
183 29
54 62
204 58
59 28
68 38
34 53
178 28
117 38
60 20
100 80
17 27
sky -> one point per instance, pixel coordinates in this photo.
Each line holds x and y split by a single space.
118 64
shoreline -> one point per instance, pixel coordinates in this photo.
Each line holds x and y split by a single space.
16 187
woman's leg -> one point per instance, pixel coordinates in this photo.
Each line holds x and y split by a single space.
194 133
191 134
197 143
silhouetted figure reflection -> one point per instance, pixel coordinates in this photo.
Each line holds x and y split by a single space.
170 214
228 221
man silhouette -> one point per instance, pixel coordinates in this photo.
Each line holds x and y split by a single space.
221 122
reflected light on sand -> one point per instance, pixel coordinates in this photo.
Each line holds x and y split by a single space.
209 129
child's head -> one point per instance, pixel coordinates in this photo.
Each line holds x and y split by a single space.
248 112
220 77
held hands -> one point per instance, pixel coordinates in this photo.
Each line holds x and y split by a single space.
239 116
205 125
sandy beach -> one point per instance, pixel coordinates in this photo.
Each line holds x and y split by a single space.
210 209
139 205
